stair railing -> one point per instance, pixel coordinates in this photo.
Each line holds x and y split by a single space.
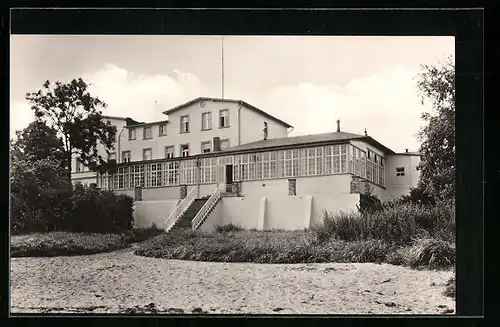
180 209
207 207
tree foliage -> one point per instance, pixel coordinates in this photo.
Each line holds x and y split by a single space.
36 142
437 166
76 117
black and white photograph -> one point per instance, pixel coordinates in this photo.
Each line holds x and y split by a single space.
232 174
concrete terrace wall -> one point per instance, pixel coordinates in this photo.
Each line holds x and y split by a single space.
148 212
278 211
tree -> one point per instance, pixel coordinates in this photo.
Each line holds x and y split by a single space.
38 141
75 115
437 165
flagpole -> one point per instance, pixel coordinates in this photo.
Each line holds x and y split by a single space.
222 65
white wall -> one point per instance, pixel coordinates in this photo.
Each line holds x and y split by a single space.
278 211
175 138
400 185
252 127
148 212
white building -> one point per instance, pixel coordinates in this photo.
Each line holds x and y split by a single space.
215 161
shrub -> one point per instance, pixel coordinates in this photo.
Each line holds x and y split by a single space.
62 243
227 228
142 234
430 254
396 223
98 211
40 197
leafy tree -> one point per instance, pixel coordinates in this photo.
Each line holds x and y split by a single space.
38 141
75 115
437 149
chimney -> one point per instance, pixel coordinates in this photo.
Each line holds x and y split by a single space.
338 125
265 131
366 133
216 144
406 150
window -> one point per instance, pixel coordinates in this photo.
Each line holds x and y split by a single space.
153 175
169 151
131 134
188 172
147 133
206 121
205 147
79 166
111 156
400 171
289 163
184 150
162 129
312 161
137 175
147 154
126 156
171 173
208 170
224 118
185 124
224 144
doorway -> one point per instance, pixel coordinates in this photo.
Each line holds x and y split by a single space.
229 178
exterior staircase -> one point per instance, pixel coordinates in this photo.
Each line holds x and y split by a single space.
185 220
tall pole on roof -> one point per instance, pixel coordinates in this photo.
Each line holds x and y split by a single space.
222 65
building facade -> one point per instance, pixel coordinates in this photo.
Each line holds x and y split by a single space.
210 146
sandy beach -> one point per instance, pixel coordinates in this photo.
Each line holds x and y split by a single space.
113 282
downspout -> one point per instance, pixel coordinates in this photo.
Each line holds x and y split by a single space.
239 122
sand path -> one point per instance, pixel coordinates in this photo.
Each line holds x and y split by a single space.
113 281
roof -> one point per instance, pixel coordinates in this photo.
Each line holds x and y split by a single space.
135 124
114 117
307 139
409 153
169 111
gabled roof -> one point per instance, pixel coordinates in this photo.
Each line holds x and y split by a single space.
169 111
307 139
114 117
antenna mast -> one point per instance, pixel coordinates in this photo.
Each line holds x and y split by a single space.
222 66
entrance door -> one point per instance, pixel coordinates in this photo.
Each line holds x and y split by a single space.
229 178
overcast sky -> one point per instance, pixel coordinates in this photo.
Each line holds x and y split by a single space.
309 82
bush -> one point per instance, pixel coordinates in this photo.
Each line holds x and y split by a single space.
137 235
227 228
62 243
396 223
430 254
98 211
40 195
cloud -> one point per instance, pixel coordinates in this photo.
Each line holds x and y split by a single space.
134 95
385 103
141 97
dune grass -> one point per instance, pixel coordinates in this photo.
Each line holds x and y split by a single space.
68 244
415 236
